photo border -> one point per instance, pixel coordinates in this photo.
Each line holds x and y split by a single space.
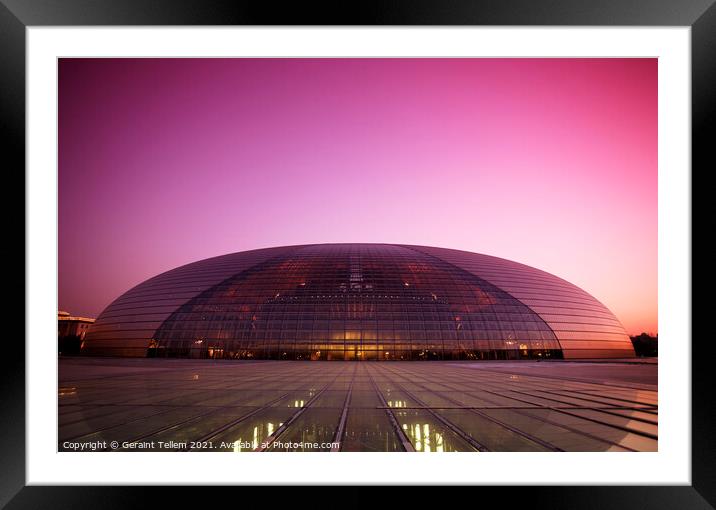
700 15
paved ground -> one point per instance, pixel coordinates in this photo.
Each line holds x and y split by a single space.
631 374
178 405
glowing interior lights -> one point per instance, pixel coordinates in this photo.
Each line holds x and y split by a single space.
67 391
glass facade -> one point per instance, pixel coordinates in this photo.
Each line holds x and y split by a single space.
584 327
357 302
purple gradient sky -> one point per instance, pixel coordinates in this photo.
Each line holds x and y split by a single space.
549 162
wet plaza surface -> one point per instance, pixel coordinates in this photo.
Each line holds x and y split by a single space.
242 406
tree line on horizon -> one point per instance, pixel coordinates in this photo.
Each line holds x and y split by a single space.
645 345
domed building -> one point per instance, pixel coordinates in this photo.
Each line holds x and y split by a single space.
357 302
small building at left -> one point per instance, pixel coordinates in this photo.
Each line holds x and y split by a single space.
71 332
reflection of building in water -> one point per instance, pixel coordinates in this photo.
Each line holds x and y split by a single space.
379 407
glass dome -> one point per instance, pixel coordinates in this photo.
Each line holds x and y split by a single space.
357 302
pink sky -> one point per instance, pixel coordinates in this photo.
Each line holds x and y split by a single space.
548 162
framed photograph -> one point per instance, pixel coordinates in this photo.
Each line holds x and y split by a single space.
298 249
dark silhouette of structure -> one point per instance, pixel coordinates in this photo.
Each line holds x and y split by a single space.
645 345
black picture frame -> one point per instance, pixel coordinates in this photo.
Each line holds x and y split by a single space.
16 15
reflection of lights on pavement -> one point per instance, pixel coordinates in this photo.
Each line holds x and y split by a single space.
239 443
422 438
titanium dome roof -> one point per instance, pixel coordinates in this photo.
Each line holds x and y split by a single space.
357 301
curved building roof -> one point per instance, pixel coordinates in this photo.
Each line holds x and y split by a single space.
357 301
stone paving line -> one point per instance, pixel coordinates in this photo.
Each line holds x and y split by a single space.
204 405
